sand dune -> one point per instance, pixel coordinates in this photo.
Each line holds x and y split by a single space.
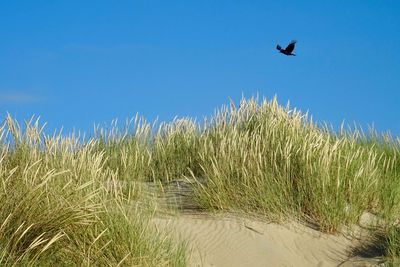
234 241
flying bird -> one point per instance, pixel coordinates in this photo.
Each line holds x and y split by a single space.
288 50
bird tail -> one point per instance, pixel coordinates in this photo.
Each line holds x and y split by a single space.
278 47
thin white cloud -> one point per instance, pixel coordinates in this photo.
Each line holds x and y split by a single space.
18 98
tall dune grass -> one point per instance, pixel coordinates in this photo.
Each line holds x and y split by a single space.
267 158
263 157
257 157
57 207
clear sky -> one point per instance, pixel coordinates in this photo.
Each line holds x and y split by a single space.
76 63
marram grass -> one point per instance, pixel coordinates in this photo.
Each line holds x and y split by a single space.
58 207
257 157
270 159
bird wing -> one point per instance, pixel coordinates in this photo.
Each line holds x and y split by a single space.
290 47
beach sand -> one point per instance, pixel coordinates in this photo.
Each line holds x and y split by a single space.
235 241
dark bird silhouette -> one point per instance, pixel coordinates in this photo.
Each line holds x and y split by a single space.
288 50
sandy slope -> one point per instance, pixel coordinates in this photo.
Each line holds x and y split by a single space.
227 240
234 241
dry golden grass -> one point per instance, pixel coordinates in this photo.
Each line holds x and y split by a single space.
257 157
57 207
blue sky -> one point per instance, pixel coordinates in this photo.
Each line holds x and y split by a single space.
76 63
